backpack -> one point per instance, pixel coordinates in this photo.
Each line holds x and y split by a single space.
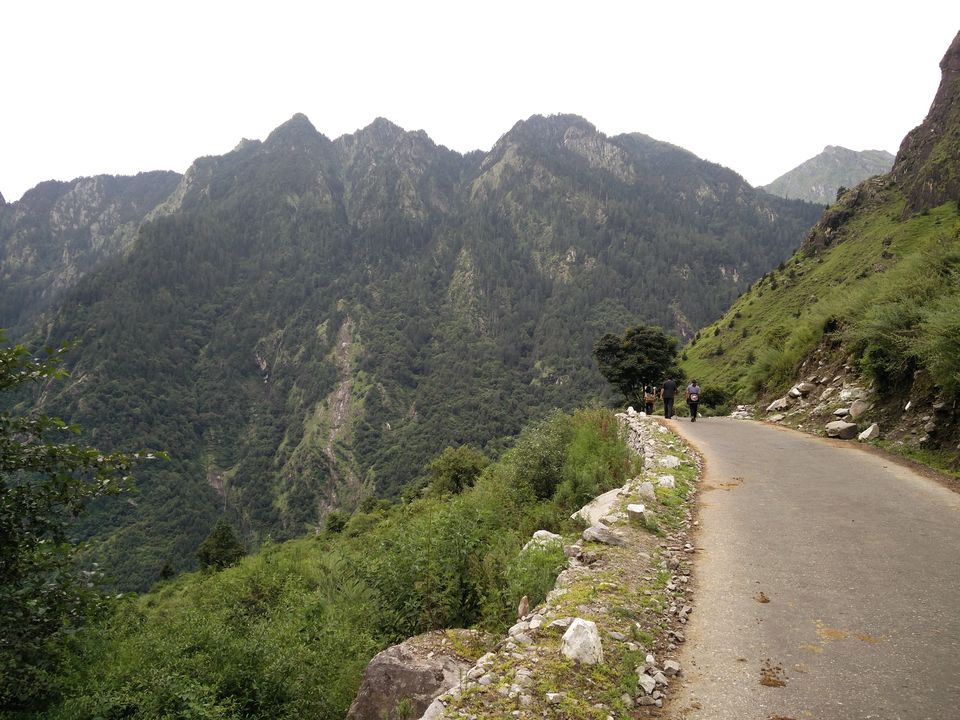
694 397
649 397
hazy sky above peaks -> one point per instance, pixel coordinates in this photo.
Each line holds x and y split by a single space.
122 87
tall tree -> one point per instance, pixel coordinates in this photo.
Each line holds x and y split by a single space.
221 548
44 484
642 355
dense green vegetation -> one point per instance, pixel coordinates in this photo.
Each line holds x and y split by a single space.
309 321
887 291
45 481
286 633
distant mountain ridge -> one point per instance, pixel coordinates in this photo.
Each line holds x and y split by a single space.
818 179
304 322
59 231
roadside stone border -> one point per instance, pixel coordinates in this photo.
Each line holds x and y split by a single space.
626 595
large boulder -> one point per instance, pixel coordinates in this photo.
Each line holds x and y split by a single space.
418 670
841 429
581 642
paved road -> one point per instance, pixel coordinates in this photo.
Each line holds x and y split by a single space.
860 560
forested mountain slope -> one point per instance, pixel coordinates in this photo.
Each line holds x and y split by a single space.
874 290
305 322
818 179
59 231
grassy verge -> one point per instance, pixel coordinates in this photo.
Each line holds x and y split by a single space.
628 592
885 289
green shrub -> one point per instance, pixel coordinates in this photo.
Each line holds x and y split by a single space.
287 632
534 572
456 469
539 454
939 343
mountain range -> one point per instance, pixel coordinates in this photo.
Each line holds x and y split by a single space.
305 322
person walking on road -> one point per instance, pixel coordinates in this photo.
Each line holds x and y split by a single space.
667 393
649 397
693 399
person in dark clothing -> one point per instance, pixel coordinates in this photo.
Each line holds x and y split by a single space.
693 399
667 393
649 397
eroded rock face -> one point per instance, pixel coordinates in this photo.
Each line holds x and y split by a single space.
406 671
926 164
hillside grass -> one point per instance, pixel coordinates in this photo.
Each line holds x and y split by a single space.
287 632
887 292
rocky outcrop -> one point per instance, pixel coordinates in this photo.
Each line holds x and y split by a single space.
409 676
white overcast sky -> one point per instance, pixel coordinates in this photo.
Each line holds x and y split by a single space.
120 87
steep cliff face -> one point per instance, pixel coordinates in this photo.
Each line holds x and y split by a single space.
59 231
928 162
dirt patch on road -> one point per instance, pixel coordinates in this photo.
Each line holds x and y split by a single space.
772 675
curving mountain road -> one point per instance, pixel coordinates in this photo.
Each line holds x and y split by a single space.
859 559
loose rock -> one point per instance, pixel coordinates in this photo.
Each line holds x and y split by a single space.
601 534
858 408
581 642
645 490
671 667
871 433
841 429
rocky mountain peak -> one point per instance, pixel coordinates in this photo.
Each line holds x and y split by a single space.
385 137
817 180
549 128
2 201
929 157
296 133
381 131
